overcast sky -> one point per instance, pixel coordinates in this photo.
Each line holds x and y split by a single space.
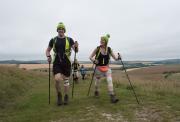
139 29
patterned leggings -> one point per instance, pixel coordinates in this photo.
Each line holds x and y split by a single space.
107 74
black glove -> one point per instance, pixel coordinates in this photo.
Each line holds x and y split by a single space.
76 49
76 46
119 57
49 59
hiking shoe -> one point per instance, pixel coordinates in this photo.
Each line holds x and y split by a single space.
59 99
96 94
66 99
113 99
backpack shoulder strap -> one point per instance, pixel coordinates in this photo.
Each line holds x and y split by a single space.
68 38
109 53
68 47
54 39
54 43
109 50
97 52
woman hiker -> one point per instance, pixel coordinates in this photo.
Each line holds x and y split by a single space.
100 57
61 46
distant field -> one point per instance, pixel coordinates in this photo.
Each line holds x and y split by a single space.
9 65
42 66
33 66
143 62
152 73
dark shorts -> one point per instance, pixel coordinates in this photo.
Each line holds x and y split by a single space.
63 68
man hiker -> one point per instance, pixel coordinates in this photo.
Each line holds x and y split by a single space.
61 46
75 66
83 71
100 57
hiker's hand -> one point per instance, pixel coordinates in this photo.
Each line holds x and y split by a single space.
49 58
119 57
95 61
76 46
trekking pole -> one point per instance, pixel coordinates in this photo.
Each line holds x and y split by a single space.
49 79
73 71
91 79
128 78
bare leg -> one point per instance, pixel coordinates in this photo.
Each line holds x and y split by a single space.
66 85
66 90
58 80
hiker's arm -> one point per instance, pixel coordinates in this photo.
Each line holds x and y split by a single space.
92 55
48 55
48 50
50 46
114 57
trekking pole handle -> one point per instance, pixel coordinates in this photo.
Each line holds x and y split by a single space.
76 48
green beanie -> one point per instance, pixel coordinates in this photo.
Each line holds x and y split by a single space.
106 38
61 26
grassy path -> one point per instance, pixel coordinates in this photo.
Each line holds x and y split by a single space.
33 105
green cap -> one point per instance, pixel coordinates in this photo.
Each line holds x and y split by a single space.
61 26
106 38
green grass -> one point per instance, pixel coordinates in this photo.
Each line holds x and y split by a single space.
27 101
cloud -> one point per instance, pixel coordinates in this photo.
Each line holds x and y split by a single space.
139 29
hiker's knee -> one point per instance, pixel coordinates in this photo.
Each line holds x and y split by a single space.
58 77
